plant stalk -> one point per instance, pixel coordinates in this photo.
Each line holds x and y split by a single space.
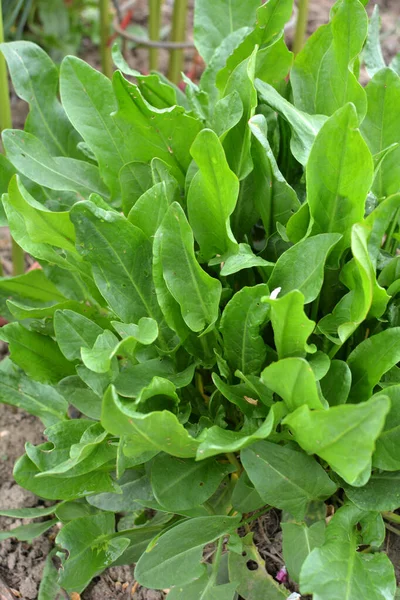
390 516
154 31
106 62
177 35
301 26
6 123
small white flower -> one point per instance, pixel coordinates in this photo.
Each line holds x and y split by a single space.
274 294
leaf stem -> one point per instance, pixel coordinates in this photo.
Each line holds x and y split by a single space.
391 231
301 26
5 109
392 529
234 461
391 516
177 35
216 562
18 258
260 513
106 63
154 31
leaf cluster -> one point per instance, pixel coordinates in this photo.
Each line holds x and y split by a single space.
217 304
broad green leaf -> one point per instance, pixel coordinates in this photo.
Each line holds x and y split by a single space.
105 348
387 450
30 157
73 332
81 396
37 399
203 589
301 267
294 381
365 295
245 396
121 502
336 570
370 360
180 484
373 529
175 558
336 384
145 332
298 541
377 222
88 100
120 256
372 54
193 289
149 210
381 493
344 435
242 258
216 440
338 184
38 355
381 128
26 533
274 198
241 324
35 80
29 513
245 498
212 196
254 584
291 326
92 547
150 132
31 288
238 140
304 127
213 22
285 478
49 588
227 113
322 76
159 430
135 179
133 379
64 488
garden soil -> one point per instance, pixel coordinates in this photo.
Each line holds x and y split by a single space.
21 563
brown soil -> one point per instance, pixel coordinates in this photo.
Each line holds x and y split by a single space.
21 564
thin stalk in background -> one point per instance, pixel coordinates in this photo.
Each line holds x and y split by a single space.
154 31
178 34
106 62
301 26
6 123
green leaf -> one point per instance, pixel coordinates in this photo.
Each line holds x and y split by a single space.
125 280
37 399
175 558
73 332
344 435
133 379
285 478
294 381
92 547
49 588
27 533
291 326
381 493
159 430
304 127
121 502
387 450
214 22
150 209
241 259
338 184
29 513
335 386
241 324
216 440
301 267
212 196
195 291
145 332
275 199
135 179
322 77
253 584
29 156
381 128
372 54
370 360
298 542
38 355
166 134
35 80
203 589
245 498
180 484
337 570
